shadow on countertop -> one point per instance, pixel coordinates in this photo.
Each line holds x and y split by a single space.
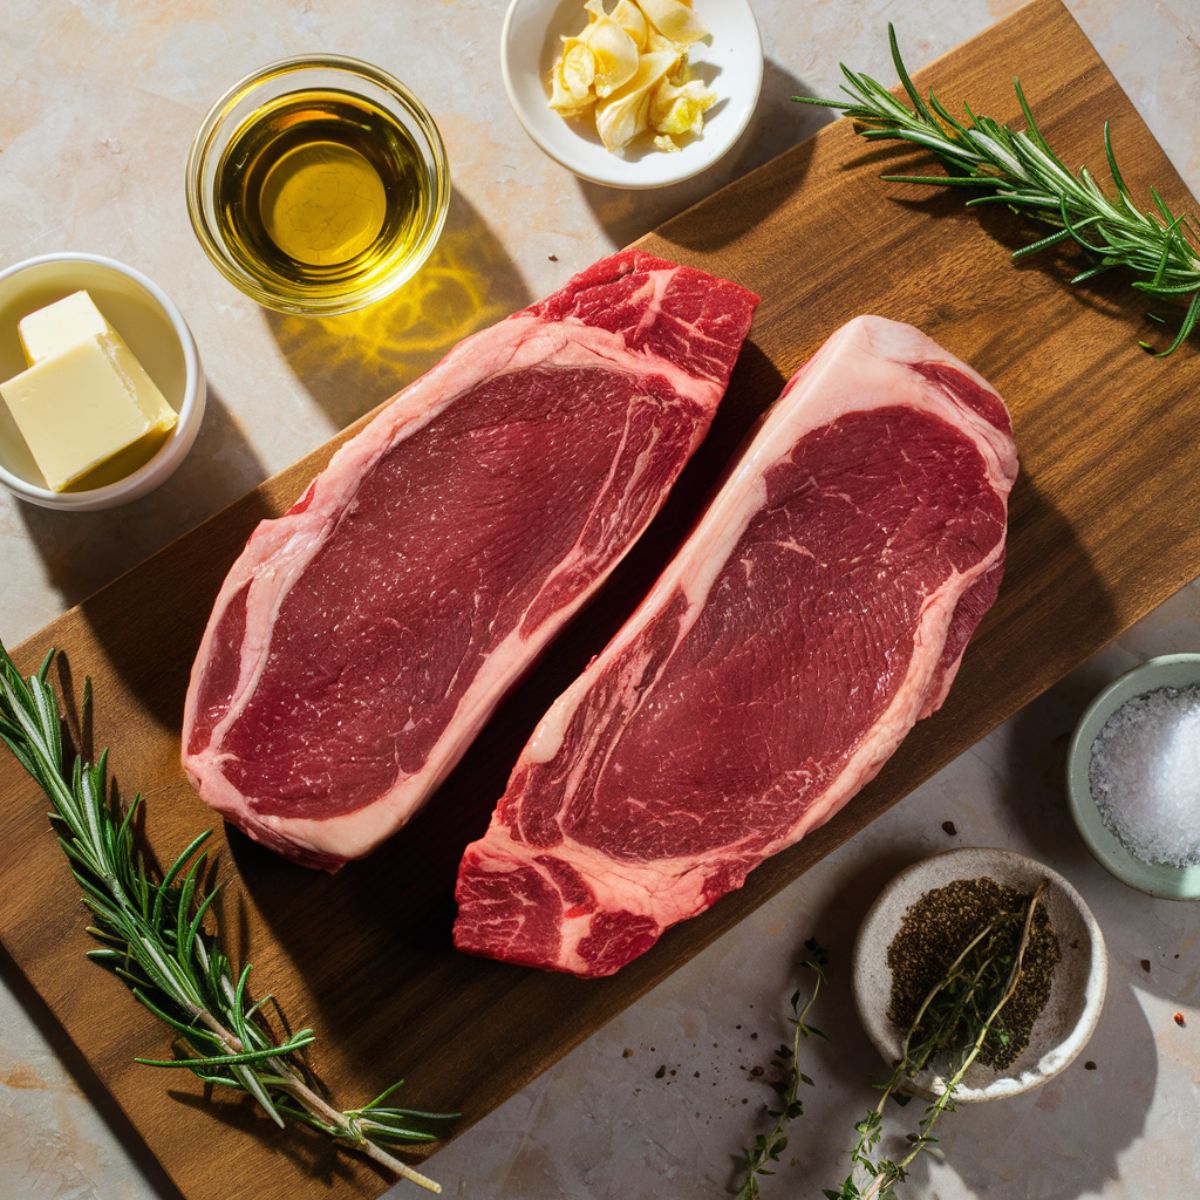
80 1071
777 124
352 362
84 551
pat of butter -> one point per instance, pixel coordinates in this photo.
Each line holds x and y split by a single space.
74 319
76 410
60 325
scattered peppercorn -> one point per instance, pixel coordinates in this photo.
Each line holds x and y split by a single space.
627 1052
756 1071
950 828
1089 1065
1146 965
933 933
661 1071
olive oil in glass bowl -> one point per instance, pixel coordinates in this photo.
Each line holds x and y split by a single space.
318 185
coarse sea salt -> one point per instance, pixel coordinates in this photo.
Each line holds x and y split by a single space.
1145 775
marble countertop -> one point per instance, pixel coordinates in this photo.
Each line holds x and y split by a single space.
102 98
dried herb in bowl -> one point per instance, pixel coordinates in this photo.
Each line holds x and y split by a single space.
933 933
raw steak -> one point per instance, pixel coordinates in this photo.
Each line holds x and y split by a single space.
362 639
819 610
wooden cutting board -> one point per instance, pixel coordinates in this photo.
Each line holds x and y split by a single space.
1105 525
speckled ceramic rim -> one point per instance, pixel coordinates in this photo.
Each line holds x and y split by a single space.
1168 883
191 411
353 73
615 179
872 993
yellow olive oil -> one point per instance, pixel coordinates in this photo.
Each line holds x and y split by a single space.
320 193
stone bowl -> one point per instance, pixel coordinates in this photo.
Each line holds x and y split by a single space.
1077 990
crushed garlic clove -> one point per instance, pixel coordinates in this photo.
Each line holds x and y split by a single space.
680 109
674 19
615 51
571 83
633 21
629 70
626 113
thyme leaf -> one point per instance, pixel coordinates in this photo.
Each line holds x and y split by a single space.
955 1020
759 1158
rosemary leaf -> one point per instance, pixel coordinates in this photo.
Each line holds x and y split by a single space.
158 935
1158 250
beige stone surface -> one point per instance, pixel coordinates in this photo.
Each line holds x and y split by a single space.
101 98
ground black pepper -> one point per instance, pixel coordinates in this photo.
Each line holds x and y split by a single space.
936 929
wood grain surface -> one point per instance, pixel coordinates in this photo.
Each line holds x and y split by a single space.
1105 525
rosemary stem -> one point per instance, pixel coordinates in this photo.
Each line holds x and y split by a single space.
1159 249
346 1131
318 1107
151 924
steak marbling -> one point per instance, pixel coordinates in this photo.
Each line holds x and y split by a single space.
362 639
820 609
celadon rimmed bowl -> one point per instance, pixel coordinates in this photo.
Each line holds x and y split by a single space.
1156 879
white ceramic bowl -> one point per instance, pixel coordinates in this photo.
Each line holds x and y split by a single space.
731 62
155 331
1076 993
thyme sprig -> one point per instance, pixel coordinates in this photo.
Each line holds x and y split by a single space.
960 1013
1017 168
760 1158
157 934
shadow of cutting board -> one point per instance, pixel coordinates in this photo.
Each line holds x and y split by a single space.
1105 525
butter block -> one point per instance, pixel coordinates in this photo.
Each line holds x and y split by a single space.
75 410
60 325
153 403
74 319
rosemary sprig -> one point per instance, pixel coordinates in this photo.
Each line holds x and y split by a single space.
957 1017
156 934
759 1158
1017 168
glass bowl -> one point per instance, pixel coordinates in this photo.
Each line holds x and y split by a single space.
330 72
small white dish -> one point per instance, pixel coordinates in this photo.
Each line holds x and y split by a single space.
731 62
1076 993
154 329
1155 879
